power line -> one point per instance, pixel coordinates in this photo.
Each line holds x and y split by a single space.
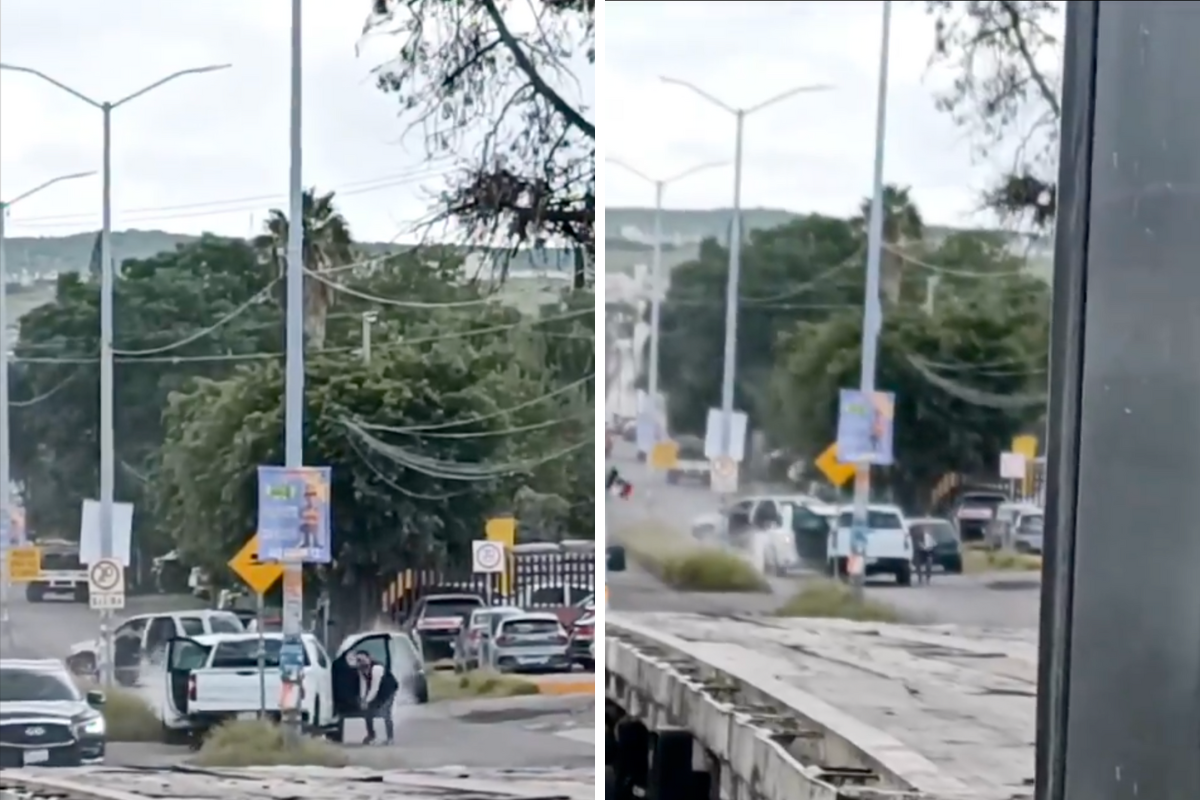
33 401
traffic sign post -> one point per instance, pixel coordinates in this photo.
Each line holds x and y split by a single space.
259 575
106 585
487 558
24 564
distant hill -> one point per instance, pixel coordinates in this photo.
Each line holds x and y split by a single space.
629 232
40 257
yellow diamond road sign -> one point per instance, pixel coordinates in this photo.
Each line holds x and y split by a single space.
259 576
837 472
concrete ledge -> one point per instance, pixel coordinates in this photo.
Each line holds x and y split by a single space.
780 742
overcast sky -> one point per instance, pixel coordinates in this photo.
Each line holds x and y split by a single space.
810 153
215 143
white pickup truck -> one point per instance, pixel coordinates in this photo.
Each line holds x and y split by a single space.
889 548
213 678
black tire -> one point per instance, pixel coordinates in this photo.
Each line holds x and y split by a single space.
672 477
35 593
588 664
422 694
337 732
83 665
80 594
177 738
954 567
904 575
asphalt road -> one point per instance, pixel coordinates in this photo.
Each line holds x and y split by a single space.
517 732
998 600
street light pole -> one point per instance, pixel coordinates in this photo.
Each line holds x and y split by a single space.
107 282
735 244
293 569
656 276
872 311
6 503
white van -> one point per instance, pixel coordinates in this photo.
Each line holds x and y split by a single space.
889 548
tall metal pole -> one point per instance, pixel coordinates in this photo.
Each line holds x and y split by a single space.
6 503
729 375
293 577
107 453
872 311
656 292
731 296
107 401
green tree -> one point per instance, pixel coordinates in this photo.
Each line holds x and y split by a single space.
967 376
803 270
902 226
190 312
327 245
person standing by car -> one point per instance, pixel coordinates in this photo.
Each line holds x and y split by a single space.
377 694
923 547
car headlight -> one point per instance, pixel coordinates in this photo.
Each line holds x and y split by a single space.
92 726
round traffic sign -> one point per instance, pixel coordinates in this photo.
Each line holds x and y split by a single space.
105 575
489 556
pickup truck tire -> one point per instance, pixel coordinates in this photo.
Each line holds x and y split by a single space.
672 477
80 595
177 737
34 593
904 575
336 733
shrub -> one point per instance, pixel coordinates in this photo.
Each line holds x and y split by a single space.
479 683
1000 561
684 564
833 600
261 743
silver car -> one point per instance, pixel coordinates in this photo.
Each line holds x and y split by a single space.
471 647
530 643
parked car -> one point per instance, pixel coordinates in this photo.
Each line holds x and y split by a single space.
470 650
691 464
143 640
947 546
582 644
437 621
46 720
212 678
530 642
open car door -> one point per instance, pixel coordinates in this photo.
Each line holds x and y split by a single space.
183 655
408 668
376 644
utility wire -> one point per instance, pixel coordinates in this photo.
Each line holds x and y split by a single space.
537 426
33 401
437 426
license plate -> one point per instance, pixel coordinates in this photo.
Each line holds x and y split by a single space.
533 660
36 757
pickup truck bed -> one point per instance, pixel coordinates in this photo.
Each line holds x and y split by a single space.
230 691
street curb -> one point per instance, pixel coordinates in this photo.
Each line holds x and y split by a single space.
560 688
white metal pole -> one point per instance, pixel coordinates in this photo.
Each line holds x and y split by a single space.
872 311
656 298
107 454
293 597
731 296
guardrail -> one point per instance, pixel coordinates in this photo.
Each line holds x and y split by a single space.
762 738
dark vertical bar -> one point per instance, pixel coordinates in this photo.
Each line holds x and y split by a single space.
1066 369
1122 639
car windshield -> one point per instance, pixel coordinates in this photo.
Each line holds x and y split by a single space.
460 607
876 520
226 623
1032 524
942 532
27 686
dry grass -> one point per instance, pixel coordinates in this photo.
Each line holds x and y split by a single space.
260 743
479 683
127 715
682 563
977 559
834 600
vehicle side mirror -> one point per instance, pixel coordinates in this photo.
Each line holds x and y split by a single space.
615 558
95 698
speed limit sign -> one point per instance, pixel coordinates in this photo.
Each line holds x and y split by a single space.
487 557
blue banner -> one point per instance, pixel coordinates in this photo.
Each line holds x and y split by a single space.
864 430
293 514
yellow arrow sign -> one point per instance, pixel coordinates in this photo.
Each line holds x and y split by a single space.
837 472
259 576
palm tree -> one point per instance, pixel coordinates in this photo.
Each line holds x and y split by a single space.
902 224
327 245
